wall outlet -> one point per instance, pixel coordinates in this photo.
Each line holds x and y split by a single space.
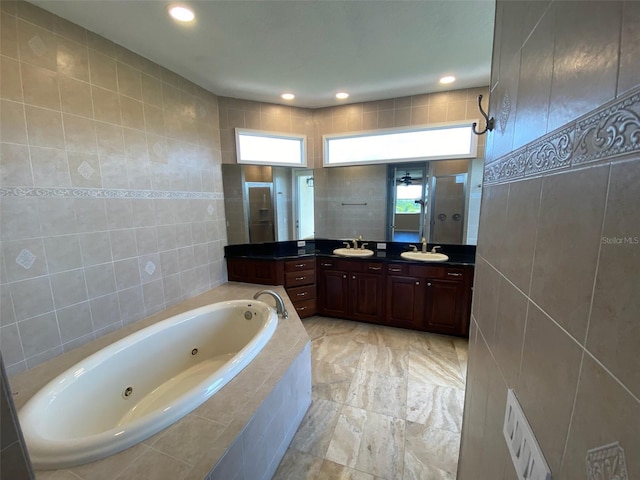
526 455
301 243
382 246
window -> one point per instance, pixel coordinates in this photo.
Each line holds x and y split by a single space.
266 148
408 198
428 142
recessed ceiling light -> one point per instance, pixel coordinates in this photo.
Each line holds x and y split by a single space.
342 95
181 13
448 79
288 96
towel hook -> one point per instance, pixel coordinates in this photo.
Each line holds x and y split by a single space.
490 121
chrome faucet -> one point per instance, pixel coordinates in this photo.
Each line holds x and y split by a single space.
424 245
280 309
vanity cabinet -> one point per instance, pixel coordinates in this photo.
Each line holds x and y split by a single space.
351 289
433 298
429 297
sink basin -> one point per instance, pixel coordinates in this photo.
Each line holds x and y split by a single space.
352 252
425 257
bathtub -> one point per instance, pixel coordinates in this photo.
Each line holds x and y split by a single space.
139 385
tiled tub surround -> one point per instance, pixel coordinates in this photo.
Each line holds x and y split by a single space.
555 312
110 187
244 429
387 404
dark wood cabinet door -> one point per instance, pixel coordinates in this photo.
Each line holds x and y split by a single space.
445 307
367 297
333 293
265 272
405 301
238 269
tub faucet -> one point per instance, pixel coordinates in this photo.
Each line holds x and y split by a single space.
280 309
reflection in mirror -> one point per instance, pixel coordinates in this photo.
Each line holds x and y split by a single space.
374 201
345 202
408 195
267 204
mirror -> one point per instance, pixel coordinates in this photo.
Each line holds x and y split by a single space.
266 204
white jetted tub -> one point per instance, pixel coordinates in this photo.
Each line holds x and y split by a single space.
141 384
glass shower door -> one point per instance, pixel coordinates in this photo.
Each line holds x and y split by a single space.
260 212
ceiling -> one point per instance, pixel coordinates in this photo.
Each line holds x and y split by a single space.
259 49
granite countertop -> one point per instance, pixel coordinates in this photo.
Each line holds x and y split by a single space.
459 255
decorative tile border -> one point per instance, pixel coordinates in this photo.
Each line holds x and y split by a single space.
54 192
610 132
551 153
607 463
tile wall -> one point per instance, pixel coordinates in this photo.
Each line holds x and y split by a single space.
14 463
110 187
555 312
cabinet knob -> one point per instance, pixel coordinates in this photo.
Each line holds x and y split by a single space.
428 284
344 276
417 283
353 277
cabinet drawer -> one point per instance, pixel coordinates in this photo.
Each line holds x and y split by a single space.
298 294
305 308
426 271
397 269
295 279
327 263
454 273
373 267
298 265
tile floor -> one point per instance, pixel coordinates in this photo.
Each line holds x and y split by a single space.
387 404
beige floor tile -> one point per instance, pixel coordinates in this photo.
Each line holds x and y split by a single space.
298 465
387 404
384 360
378 393
435 406
337 350
433 446
335 471
436 369
331 381
390 337
315 431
